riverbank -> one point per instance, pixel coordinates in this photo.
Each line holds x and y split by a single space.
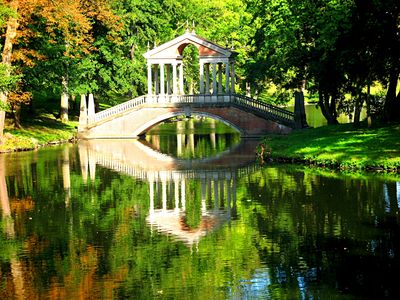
339 146
39 133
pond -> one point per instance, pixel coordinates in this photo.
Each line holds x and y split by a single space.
315 117
135 219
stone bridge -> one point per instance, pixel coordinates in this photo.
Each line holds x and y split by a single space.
133 118
168 96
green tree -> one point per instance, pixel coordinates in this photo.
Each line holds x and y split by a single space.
339 47
7 12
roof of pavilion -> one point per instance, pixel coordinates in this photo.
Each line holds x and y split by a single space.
174 48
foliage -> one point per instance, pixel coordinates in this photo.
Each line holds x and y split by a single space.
7 81
329 48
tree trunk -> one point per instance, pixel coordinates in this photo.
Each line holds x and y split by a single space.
64 100
11 32
391 105
17 115
64 108
357 110
299 110
368 102
328 107
74 107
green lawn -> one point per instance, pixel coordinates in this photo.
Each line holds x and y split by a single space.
44 130
339 146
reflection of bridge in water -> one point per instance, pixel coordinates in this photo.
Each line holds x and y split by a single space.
168 178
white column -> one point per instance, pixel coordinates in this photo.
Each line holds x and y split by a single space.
149 80
156 83
220 78
207 79
226 78
233 78
214 72
174 79
182 92
91 108
168 79
201 78
162 80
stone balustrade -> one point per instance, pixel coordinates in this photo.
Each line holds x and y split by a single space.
248 104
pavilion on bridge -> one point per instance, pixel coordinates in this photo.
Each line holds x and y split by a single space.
165 69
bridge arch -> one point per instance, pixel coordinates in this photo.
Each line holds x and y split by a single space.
169 115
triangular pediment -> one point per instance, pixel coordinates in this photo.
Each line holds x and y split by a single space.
174 48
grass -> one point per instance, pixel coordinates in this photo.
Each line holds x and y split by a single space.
340 146
44 130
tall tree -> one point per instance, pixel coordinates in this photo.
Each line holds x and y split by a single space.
10 34
65 36
339 47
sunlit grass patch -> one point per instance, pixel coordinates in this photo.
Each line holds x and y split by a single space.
38 133
341 145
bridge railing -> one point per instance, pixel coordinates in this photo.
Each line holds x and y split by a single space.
259 108
272 112
120 108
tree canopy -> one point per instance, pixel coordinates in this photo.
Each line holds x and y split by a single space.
341 52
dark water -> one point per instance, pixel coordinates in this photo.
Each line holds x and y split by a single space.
122 220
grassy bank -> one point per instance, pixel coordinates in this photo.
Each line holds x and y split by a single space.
43 131
340 146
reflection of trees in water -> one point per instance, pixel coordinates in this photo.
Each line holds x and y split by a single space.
10 246
190 140
321 225
294 233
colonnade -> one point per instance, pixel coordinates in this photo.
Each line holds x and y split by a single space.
215 192
167 77
215 85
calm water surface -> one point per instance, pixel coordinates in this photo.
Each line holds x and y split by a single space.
192 216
